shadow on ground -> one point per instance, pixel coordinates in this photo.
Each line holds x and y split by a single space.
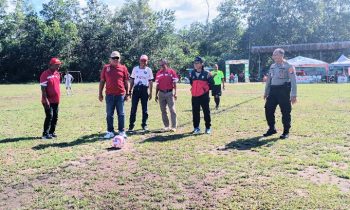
169 137
17 139
248 144
82 140
110 149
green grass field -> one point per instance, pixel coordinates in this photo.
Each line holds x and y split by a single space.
233 168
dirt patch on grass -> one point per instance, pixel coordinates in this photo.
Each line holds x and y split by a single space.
205 192
73 178
317 177
341 166
115 178
16 196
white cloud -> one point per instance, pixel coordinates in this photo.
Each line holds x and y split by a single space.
82 3
186 11
113 4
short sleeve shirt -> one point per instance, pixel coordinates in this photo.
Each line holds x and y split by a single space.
141 76
115 78
51 81
279 73
166 79
218 76
68 78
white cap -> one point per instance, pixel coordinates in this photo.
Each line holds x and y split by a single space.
115 54
144 57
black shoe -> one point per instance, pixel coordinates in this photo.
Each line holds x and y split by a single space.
47 136
53 135
131 131
270 132
284 136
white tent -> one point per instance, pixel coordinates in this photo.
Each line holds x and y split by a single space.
315 69
343 58
301 62
341 62
341 67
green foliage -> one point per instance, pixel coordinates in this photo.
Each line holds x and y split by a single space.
84 37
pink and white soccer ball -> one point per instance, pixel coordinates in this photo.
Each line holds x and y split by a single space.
118 141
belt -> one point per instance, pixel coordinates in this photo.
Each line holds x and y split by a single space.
140 86
286 84
166 91
277 86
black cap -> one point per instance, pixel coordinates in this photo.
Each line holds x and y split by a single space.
198 59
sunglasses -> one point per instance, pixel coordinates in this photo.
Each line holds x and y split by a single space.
115 58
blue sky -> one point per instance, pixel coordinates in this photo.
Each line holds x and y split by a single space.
186 11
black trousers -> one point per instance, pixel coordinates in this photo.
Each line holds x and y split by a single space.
279 95
139 93
50 119
197 102
216 92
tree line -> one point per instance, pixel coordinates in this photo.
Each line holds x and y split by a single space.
83 37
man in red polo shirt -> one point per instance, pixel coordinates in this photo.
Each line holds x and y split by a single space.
50 89
115 76
166 79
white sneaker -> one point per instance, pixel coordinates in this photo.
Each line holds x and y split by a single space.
123 134
165 129
109 135
196 131
208 131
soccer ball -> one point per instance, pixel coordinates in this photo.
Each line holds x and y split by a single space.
118 142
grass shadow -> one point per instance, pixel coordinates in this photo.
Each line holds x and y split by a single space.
82 140
248 144
110 149
17 139
139 132
220 111
170 137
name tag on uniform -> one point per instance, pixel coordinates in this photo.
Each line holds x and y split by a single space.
282 73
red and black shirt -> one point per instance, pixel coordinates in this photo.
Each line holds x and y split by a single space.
200 82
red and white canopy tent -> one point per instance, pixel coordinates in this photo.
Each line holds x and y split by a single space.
301 61
307 64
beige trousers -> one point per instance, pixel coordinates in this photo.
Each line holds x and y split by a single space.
164 100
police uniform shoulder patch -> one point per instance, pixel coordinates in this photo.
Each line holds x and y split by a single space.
291 70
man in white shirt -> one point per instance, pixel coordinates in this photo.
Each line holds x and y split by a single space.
68 79
140 89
